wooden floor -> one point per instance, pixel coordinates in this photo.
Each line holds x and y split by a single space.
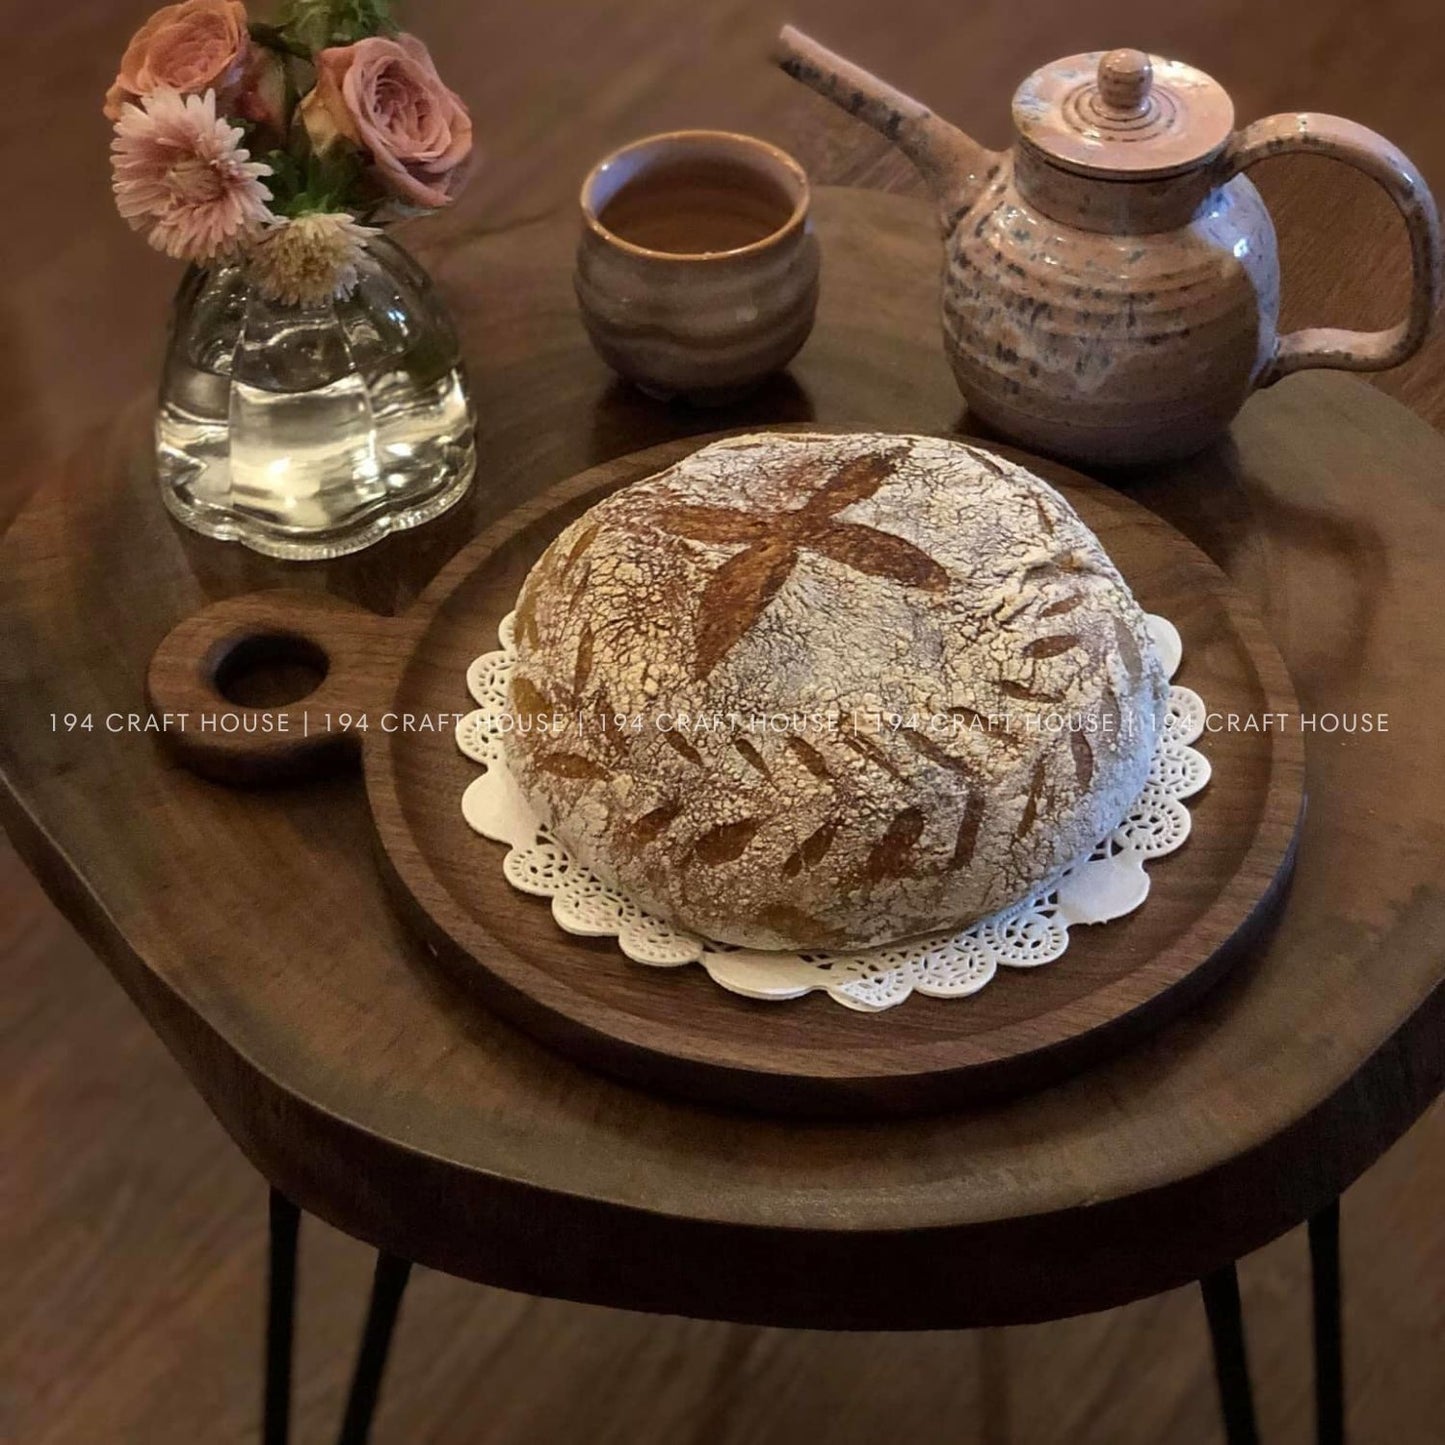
133 1255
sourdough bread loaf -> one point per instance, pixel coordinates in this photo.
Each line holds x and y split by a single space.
815 691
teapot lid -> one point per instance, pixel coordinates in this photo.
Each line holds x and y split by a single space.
1123 113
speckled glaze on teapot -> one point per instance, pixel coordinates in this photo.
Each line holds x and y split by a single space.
1111 284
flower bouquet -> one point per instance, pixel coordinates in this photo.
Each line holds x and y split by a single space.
313 396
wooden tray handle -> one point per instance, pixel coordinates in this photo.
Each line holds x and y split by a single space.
211 734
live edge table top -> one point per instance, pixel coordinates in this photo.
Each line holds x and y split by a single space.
253 931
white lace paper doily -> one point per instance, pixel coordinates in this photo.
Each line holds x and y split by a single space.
1107 884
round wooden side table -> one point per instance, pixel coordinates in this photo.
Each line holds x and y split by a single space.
252 931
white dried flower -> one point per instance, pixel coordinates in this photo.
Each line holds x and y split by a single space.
308 259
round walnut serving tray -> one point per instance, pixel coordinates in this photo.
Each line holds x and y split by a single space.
404 678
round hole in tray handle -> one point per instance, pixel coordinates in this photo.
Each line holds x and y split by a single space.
269 669
213 672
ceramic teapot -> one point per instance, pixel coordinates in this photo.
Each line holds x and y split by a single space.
1111 284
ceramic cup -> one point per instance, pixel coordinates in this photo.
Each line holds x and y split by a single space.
697 271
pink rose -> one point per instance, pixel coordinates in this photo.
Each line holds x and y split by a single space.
192 47
385 96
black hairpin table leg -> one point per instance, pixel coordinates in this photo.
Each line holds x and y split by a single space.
387 1286
1221 1306
280 1318
1231 1363
1324 1232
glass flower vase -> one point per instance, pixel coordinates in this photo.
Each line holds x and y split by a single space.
310 431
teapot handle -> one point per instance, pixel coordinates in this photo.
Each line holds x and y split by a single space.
1367 151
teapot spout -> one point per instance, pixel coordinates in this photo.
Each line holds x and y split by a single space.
953 165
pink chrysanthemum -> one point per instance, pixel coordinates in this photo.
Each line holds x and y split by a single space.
182 176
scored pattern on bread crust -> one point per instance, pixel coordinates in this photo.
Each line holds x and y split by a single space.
838 579
739 591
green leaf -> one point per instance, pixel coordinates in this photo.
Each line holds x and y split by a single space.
314 25
359 18
307 24
287 177
274 37
333 181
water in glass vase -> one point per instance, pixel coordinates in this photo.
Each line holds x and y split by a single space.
312 431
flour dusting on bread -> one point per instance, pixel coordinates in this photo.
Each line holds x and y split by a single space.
818 691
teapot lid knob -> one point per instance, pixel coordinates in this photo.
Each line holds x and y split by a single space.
1125 77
